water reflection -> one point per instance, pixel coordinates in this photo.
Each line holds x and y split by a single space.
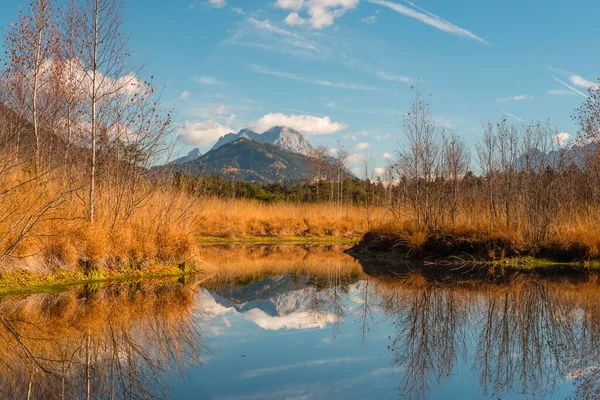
111 342
277 322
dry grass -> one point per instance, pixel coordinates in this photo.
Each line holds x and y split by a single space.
43 226
238 218
573 233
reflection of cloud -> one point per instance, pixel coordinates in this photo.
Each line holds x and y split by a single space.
282 368
290 316
295 320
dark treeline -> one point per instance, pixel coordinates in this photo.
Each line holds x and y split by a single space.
355 190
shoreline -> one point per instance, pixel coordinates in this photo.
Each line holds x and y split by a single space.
448 252
378 253
23 281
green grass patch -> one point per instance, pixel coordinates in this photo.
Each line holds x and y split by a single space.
25 282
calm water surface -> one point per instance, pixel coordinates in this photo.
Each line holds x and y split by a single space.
303 322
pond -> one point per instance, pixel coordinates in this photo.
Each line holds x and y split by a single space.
294 322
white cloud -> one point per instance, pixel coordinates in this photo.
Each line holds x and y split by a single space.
217 3
428 18
382 137
395 78
387 156
518 97
321 13
237 10
369 20
356 158
205 80
231 118
293 19
290 4
379 171
107 87
321 82
561 138
202 133
581 82
307 124
185 95
362 146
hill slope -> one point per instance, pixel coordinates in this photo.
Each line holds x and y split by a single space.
249 160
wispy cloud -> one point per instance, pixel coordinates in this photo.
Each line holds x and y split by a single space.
371 19
301 365
294 39
518 97
512 116
321 82
565 84
395 78
561 92
574 81
426 17
185 95
205 80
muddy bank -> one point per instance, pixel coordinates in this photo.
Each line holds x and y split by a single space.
447 257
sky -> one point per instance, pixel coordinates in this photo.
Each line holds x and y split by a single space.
346 69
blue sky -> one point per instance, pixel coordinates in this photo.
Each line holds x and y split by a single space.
343 69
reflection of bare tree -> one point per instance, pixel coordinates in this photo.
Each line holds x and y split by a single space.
527 334
429 323
365 310
111 343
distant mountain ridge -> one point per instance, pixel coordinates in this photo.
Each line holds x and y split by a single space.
191 156
575 155
282 136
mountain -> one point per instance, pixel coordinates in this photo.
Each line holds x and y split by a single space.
281 136
574 155
191 156
254 161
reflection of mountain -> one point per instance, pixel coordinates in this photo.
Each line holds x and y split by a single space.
278 295
278 302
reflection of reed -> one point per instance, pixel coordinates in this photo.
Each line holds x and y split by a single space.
106 343
243 264
529 335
